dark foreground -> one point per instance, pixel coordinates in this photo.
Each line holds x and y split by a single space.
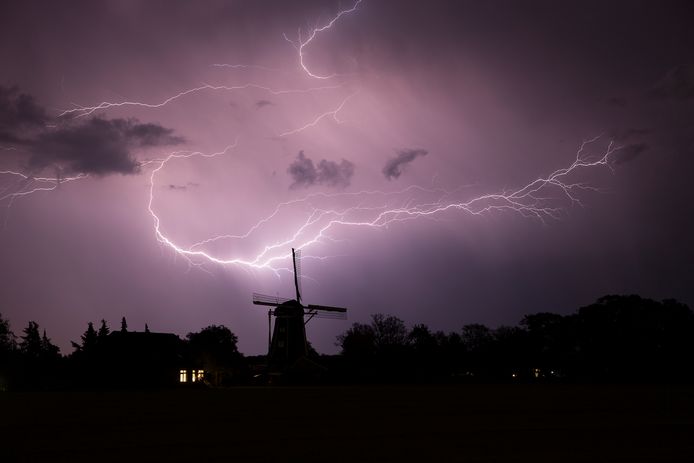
555 423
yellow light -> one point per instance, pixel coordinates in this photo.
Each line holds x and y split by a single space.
182 376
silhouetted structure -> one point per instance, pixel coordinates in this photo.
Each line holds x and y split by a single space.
288 348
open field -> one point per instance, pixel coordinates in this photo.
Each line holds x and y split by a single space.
362 423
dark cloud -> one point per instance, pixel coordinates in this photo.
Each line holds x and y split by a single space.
98 146
624 135
395 166
175 187
90 146
630 152
678 83
617 101
262 103
18 113
305 173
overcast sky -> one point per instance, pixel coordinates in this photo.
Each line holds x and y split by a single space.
400 108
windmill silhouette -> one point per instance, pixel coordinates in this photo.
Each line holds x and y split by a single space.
287 345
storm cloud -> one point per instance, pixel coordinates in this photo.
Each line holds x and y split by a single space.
677 84
93 146
395 166
262 103
329 173
630 152
18 113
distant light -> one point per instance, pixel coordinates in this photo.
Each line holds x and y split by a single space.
182 376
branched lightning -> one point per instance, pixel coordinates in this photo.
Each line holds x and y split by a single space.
300 44
82 111
329 114
27 184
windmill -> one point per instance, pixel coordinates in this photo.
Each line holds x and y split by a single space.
287 344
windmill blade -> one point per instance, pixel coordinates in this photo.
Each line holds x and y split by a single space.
264 299
330 315
325 308
296 259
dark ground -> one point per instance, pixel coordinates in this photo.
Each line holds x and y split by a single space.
555 423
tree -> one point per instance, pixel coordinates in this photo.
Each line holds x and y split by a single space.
214 347
103 331
422 340
476 337
385 334
359 341
390 332
89 338
123 326
30 345
49 351
7 338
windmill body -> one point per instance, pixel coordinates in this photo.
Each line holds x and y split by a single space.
289 336
288 347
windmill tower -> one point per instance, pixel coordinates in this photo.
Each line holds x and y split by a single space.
287 345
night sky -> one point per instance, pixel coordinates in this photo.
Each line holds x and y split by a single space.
383 149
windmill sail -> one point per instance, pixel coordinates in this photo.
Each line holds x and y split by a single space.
296 256
264 299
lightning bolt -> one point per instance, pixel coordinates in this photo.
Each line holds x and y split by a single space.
300 44
28 184
82 111
329 114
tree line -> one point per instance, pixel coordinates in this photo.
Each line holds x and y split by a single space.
617 338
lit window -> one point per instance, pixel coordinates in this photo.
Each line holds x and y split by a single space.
182 376
201 375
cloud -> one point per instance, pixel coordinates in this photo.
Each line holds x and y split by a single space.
18 114
616 101
677 84
630 152
175 187
262 103
91 146
305 173
98 146
395 166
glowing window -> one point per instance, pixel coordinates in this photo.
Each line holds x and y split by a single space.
200 375
182 376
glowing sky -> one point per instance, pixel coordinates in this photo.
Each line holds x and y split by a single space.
397 122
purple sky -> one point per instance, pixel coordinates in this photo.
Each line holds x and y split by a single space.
439 103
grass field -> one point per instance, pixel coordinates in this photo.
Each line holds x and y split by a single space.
555 423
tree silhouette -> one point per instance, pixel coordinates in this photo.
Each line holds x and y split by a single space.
214 348
358 342
390 332
30 345
49 351
123 326
103 331
7 337
90 339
